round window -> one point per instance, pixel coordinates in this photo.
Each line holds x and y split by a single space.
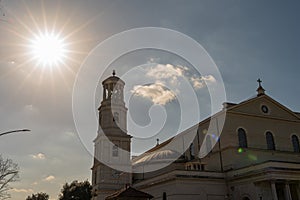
264 109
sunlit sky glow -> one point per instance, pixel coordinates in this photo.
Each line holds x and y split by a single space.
49 49
246 39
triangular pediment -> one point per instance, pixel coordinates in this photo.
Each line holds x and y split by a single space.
264 106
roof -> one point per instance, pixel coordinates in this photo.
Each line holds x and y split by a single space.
129 192
270 99
157 156
229 106
113 79
159 146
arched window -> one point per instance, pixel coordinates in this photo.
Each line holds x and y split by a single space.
95 176
115 151
164 196
208 143
242 138
295 142
270 141
192 151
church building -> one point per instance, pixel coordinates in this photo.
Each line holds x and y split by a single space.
255 156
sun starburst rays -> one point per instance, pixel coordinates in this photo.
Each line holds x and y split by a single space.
48 49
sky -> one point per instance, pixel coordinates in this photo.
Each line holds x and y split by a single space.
247 40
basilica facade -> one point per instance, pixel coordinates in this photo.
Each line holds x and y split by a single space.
256 154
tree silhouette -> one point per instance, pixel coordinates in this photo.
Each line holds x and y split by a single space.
38 196
76 191
8 173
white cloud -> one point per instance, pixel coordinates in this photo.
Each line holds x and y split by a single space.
166 72
197 82
49 178
153 60
200 82
31 110
209 78
172 74
39 156
67 135
156 92
70 133
22 190
35 183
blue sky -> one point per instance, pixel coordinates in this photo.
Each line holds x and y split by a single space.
246 39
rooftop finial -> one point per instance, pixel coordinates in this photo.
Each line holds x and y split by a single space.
114 72
260 90
259 82
157 142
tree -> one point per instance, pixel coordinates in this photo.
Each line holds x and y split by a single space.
38 196
77 191
9 172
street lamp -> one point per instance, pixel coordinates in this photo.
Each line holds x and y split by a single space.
14 131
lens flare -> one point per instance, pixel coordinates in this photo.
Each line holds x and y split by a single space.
240 150
48 49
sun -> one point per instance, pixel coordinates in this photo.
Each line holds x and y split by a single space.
49 49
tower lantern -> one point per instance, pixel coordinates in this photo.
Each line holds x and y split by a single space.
113 88
113 112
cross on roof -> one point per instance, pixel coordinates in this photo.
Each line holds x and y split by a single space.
259 82
260 90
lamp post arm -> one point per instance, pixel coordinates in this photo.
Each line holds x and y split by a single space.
14 131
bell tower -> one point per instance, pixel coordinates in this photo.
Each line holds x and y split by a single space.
112 144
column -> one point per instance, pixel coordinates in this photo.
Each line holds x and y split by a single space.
104 92
122 93
287 192
110 88
274 194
